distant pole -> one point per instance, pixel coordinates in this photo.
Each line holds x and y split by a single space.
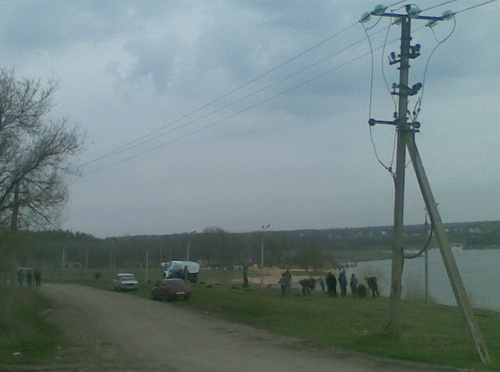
63 264
147 264
86 260
189 244
264 228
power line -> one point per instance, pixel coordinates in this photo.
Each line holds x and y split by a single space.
439 5
474 6
235 114
245 109
134 142
418 105
130 147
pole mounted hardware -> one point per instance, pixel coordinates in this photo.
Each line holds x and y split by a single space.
413 53
405 90
413 126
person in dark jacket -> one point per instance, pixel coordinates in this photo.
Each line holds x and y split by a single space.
38 277
29 277
285 283
307 285
353 283
373 286
343 284
331 284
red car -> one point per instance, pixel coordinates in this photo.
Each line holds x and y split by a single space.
170 289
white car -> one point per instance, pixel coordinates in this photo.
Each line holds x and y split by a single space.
125 282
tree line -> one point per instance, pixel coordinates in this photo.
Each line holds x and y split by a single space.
306 249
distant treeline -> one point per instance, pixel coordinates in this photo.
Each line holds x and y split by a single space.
214 246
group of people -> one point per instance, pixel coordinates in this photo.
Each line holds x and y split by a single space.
28 275
330 281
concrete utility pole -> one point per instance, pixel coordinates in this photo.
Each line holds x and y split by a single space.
427 237
406 139
264 228
147 265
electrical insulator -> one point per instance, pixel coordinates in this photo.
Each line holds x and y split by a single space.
379 10
447 15
365 17
431 23
414 12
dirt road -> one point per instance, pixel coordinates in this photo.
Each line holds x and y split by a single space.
110 331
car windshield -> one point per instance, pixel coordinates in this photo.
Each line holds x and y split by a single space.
173 281
126 277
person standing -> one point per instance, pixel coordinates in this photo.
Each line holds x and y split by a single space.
38 277
288 274
245 276
322 285
353 283
331 284
29 278
343 284
20 276
285 284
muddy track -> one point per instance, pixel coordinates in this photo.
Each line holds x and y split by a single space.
108 331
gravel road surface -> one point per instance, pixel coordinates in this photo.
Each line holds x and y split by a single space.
109 331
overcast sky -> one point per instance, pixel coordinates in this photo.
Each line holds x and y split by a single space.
238 114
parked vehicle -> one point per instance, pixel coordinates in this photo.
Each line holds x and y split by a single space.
175 269
125 282
170 289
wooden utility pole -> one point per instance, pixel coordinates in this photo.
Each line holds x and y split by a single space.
445 249
406 139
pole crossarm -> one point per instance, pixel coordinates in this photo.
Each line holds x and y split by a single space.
396 15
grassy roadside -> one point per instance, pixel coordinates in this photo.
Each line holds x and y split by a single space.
431 333
25 337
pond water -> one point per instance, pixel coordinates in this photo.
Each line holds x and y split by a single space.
478 269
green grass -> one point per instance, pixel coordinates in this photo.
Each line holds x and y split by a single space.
25 337
431 333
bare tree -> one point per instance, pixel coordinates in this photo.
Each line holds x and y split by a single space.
34 154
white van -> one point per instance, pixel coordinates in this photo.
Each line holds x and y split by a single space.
175 269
